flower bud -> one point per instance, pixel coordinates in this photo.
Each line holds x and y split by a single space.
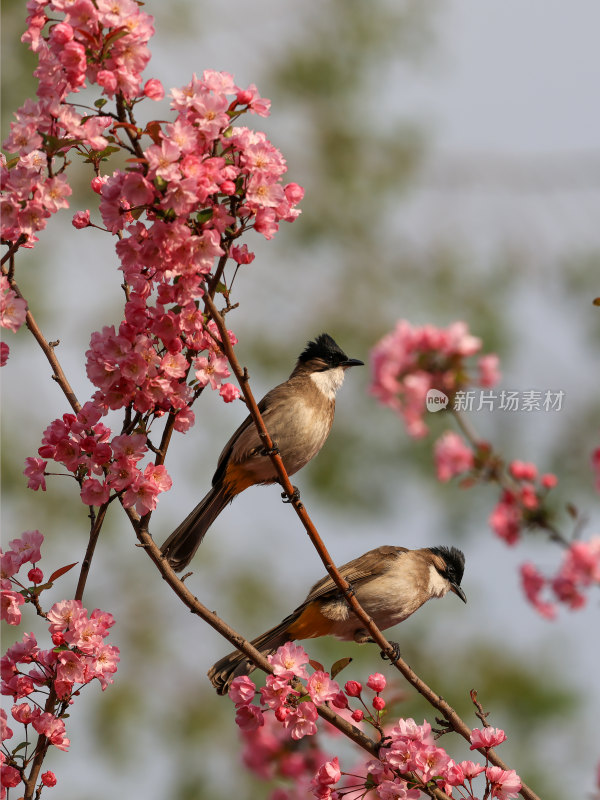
353 688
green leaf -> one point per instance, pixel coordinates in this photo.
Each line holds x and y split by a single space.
100 102
204 215
340 665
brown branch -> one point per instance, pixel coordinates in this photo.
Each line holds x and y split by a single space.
242 644
48 350
238 641
454 720
41 748
89 553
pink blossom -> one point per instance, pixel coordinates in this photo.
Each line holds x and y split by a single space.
229 392
486 737
353 688
328 773
430 761
154 89
24 713
53 728
211 370
321 688
506 784
549 481
242 690
13 309
301 721
81 219
9 776
184 420
489 373
49 778
64 613
289 661
470 769
94 493
533 582
249 717
35 575
358 715
452 456
10 612
506 519
276 692
377 682
378 703
523 471
340 700
27 547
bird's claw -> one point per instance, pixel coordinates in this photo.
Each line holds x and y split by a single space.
396 648
293 498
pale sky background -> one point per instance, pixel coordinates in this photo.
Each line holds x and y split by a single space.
509 96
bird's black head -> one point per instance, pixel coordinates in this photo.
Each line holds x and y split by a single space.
324 349
454 567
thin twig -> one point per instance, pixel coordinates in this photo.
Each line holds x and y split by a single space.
48 350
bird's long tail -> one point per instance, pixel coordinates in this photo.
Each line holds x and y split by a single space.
231 666
181 545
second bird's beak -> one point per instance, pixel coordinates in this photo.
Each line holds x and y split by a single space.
351 362
454 587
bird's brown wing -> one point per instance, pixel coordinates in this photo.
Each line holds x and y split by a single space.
365 567
244 439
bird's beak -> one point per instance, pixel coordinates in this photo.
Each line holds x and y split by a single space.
352 362
454 587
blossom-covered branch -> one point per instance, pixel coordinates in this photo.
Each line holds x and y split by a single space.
420 368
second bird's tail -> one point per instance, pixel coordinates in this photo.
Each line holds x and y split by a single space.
235 664
181 545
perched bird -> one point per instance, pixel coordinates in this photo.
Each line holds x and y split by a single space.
298 415
390 583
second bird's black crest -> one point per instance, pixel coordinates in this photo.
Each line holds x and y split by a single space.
455 562
325 348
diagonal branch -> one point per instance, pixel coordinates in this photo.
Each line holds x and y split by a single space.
211 618
454 720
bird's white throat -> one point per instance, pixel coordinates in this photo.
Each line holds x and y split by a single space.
328 382
438 585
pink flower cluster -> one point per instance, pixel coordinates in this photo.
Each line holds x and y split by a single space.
580 568
452 456
79 655
102 464
410 361
298 718
409 758
21 551
104 42
520 505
